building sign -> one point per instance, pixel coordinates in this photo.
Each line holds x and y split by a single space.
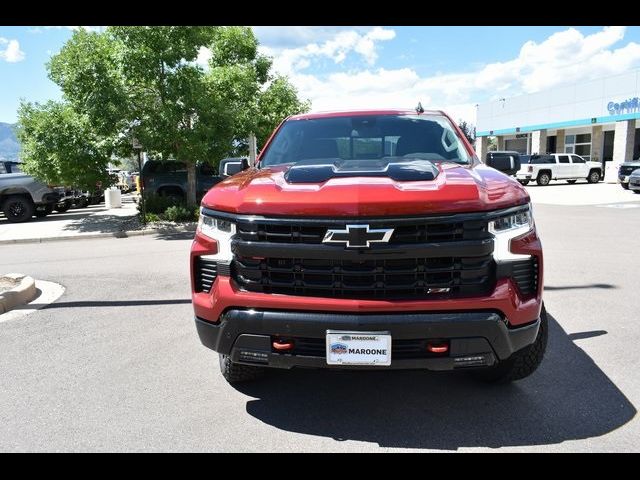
628 106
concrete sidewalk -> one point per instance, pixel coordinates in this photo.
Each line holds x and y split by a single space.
90 222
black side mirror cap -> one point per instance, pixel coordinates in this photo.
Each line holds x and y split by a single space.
506 162
231 166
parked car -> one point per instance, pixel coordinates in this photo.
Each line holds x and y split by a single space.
625 170
169 179
498 159
369 240
634 181
22 197
557 166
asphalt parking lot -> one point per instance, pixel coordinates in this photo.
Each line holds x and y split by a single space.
115 363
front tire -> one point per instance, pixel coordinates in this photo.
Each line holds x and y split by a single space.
625 186
543 179
18 209
594 177
238 373
522 363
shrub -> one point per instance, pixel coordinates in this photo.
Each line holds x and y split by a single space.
179 213
157 204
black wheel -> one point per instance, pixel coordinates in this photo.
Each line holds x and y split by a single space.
543 179
237 373
625 186
571 181
635 191
18 209
524 182
523 362
61 208
82 202
43 211
594 177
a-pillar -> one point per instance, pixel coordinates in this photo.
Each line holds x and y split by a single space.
539 141
622 148
482 145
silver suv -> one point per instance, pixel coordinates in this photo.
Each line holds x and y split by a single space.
22 196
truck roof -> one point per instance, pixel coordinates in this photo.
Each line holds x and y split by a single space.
350 113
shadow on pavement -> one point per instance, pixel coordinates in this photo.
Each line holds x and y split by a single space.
580 287
103 223
172 235
567 398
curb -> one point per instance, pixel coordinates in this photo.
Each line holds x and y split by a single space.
25 292
123 234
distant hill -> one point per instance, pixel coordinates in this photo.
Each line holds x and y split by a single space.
9 146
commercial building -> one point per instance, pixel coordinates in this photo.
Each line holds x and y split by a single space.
595 119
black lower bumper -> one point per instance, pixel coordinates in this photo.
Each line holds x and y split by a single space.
476 339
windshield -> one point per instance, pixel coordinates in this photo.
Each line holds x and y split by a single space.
366 138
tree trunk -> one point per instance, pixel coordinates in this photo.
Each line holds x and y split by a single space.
191 183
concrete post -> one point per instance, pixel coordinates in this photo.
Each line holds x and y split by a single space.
481 147
539 141
500 141
559 142
622 148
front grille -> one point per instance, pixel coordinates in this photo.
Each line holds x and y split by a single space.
400 348
444 256
405 232
205 272
368 279
525 274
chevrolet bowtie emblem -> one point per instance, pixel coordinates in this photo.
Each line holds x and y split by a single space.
358 236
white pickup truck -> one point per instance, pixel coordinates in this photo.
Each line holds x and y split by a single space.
557 166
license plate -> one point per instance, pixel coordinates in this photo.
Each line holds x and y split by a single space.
358 348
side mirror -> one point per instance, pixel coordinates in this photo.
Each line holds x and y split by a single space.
506 162
231 166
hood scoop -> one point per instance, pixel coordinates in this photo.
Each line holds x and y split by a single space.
319 171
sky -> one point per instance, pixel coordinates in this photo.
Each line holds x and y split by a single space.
449 68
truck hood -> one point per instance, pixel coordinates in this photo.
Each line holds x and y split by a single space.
456 188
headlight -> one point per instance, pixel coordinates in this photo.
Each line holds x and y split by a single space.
219 230
508 227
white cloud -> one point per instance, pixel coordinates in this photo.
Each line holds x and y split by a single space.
11 52
562 58
336 47
88 28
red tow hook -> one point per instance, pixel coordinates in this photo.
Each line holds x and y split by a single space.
438 347
282 345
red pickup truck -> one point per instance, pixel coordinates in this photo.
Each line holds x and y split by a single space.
369 239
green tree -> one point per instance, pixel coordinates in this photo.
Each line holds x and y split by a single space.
468 130
59 146
145 82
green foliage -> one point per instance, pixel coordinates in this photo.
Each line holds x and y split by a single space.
60 147
157 203
468 130
145 82
180 213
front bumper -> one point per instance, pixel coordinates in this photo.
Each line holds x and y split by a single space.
476 339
